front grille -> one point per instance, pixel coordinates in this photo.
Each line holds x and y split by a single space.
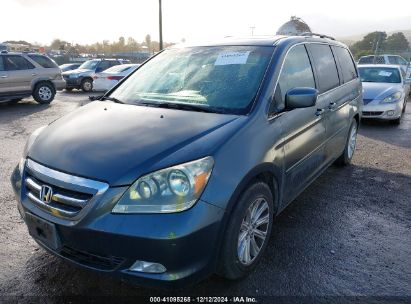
64 201
369 113
64 195
91 259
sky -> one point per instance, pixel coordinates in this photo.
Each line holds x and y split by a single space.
88 21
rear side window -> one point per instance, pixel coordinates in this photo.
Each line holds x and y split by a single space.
325 67
296 72
16 62
44 61
346 63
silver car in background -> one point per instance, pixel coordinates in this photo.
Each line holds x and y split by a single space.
385 91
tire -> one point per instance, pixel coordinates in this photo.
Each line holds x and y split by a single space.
233 263
44 92
349 149
87 85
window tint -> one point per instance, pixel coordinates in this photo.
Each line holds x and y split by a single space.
44 61
296 72
103 65
393 59
114 63
346 63
1 64
325 66
15 62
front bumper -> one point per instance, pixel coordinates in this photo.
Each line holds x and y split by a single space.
377 110
185 243
73 82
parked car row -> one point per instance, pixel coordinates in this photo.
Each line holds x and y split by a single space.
82 77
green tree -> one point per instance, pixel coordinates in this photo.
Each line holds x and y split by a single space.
369 43
397 42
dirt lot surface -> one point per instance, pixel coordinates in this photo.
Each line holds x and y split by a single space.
348 234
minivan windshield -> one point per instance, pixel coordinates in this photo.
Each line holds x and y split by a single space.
377 74
89 65
217 79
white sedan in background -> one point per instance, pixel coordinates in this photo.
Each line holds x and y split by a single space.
106 80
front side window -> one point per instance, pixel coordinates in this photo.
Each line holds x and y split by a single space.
15 63
104 65
220 78
296 72
346 63
325 66
377 74
44 61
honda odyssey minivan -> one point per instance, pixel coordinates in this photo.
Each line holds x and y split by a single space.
179 171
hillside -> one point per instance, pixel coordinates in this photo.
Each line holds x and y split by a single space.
352 39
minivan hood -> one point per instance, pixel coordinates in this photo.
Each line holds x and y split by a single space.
379 90
118 143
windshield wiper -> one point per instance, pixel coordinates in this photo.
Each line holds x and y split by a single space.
111 99
179 106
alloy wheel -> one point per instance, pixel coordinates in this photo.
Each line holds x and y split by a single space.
45 93
253 231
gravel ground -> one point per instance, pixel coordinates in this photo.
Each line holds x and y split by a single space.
346 236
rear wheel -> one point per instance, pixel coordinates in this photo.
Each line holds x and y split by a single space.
87 85
348 153
248 232
44 93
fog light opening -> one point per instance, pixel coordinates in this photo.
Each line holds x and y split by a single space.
390 113
147 267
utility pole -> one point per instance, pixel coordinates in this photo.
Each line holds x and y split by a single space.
160 23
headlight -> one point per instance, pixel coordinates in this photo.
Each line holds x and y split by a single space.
31 140
168 190
393 97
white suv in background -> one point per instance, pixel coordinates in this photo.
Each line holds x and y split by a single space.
387 59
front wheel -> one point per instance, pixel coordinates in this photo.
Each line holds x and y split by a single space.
248 232
347 155
44 93
87 85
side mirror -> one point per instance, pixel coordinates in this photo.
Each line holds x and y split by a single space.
301 98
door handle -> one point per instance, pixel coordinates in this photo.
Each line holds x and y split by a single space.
332 105
33 74
3 76
319 112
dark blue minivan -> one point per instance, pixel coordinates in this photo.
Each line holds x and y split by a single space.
179 171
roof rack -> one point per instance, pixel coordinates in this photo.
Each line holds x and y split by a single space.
309 34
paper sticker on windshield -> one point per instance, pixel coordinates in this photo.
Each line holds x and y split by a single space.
232 58
384 73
